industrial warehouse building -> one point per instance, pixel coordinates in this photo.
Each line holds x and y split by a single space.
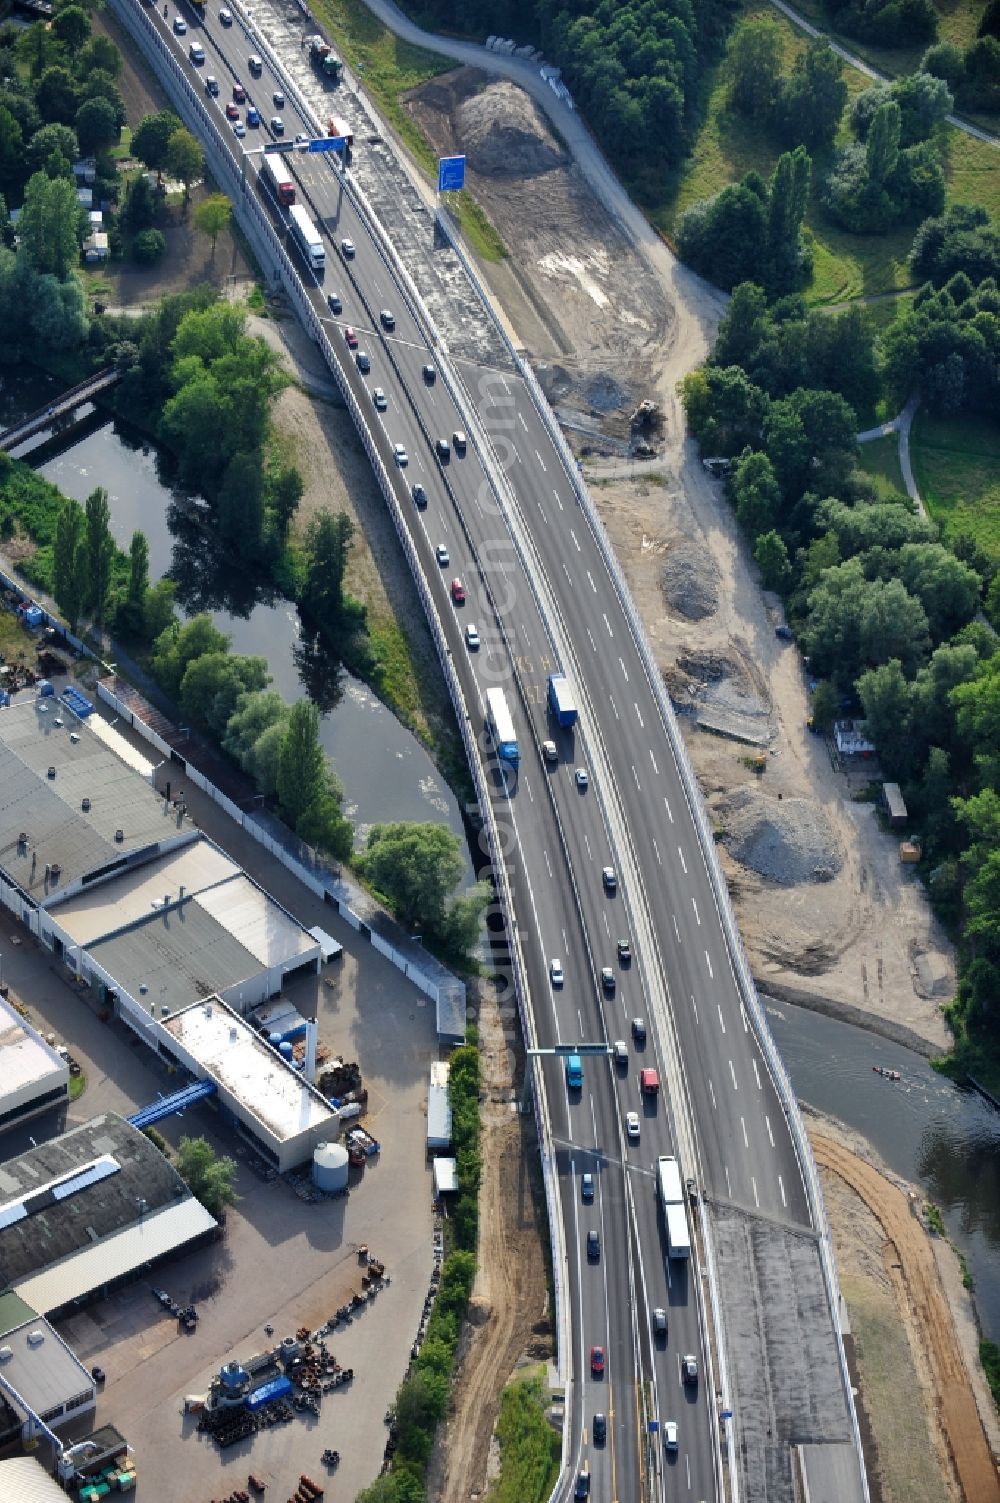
88 1210
42 1370
33 1077
269 1101
119 883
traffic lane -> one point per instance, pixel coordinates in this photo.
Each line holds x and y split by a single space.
626 679
673 1286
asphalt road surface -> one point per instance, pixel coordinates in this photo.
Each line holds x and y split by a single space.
541 596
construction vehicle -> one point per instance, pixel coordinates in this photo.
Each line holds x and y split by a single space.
325 59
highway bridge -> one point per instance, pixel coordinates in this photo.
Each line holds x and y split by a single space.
508 516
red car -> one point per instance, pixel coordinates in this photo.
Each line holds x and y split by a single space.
458 592
232 113
351 337
239 93
597 1360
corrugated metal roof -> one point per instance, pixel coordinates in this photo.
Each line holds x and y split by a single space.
52 1230
114 905
25 1480
257 921
438 1117
148 1238
50 810
445 1177
45 1373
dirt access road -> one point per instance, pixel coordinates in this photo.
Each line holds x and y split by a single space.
930 1326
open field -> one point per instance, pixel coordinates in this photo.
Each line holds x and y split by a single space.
880 460
846 266
956 461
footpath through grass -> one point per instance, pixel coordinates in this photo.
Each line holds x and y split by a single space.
956 463
845 266
880 461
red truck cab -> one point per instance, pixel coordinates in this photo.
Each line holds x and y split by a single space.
650 1082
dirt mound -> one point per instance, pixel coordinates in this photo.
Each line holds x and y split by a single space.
691 582
787 841
505 134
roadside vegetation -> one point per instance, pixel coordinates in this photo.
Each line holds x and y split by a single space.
415 868
530 1449
989 1356
208 1175
422 1400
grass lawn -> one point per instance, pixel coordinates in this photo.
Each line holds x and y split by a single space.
845 266
880 460
956 462
957 22
15 640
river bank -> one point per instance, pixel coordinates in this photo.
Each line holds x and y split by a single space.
913 1330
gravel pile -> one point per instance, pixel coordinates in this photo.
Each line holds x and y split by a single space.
788 841
690 582
505 135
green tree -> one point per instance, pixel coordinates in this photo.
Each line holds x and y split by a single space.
924 103
947 588
177 646
743 327
302 771
825 704
100 55
57 95
96 126
464 919
977 718
240 507
887 698
724 409
284 491
212 216
69 561
50 225
255 713
209 1176
139 209
882 146
264 756
72 26
151 138
756 493
53 139
148 247
214 684
856 623
416 866
980 818
138 568
327 544
812 98
185 159
787 204
11 148
100 551
755 56
158 609
771 554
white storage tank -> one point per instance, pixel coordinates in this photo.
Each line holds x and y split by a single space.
329 1171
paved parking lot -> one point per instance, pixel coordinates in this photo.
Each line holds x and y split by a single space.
281 1262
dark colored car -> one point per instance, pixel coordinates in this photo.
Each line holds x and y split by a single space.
587 1186
443 448
624 952
334 303
593 1246
600 1429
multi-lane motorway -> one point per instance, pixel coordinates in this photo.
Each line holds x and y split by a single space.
542 595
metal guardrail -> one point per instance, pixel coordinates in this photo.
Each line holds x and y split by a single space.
262 234
734 940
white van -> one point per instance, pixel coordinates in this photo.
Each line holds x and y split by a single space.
196 53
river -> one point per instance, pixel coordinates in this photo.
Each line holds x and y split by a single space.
930 1131
387 774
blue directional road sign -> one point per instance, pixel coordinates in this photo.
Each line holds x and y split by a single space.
327 143
451 174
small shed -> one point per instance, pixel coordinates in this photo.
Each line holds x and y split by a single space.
85 196
96 217
892 803
32 615
851 737
95 247
445 1177
85 171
